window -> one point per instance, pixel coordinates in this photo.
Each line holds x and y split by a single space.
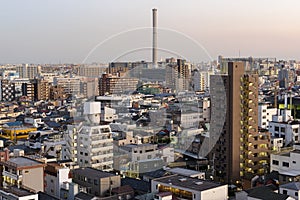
284 191
95 182
294 162
276 128
275 162
295 130
285 164
282 129
296 194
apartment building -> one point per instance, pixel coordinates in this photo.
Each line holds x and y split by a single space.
55 177
95 182
265 113
284 126
286 163
189 188
234 127
19 171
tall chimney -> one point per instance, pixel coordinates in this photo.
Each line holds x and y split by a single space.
154 47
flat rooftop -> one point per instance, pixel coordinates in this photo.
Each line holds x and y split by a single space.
20 162
91 172
187 182
16 191
184 172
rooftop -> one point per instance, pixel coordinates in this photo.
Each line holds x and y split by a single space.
187 182
184 172
266 193
91 172
20 192
21 162
291 185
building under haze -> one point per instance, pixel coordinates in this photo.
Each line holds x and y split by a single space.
28 71
110 84
178 75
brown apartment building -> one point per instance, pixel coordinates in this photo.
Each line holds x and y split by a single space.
239 149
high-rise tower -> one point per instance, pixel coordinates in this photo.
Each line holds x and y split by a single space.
241 149
154 39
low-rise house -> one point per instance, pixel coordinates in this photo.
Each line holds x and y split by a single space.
95 182
189 188
292 189
19 171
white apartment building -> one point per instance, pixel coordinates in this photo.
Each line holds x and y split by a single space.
95 147
69 151
292 189
95 142
286 163
265 114
283 126
55 177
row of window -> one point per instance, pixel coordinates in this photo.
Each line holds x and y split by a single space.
285 192
86 179
284 164
282 129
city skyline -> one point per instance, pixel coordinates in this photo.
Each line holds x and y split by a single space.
66 31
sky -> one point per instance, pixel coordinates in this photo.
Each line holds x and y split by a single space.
77 31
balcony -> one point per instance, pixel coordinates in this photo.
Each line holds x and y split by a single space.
11 175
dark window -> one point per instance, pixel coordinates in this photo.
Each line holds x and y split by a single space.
295 130
276 128
296 194
282 129
285 164
275 162
95 182
284 191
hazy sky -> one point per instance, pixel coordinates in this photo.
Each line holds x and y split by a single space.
52 31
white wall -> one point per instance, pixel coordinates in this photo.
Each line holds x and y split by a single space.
218 193
290 192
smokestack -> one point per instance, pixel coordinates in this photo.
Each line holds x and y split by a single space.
154 47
